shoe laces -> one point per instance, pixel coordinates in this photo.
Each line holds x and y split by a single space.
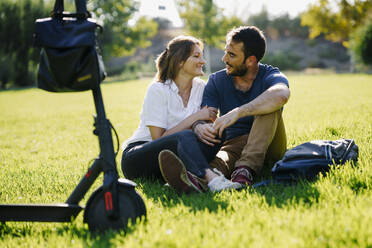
219 173
242 172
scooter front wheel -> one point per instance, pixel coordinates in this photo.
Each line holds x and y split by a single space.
131 207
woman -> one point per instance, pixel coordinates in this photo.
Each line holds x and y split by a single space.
171 106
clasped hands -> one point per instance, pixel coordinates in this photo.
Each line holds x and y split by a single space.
209 133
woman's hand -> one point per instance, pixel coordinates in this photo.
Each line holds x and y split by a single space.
207 114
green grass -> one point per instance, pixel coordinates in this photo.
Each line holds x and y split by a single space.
46 144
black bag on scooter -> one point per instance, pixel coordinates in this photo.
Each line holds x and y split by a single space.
69 60
306 161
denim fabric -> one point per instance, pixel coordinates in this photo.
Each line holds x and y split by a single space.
140 159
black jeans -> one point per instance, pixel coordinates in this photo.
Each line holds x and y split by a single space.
140 159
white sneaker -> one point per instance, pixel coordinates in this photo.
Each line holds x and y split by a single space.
220 183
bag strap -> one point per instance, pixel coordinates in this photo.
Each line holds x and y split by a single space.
59 6
81 6
81 10
347 151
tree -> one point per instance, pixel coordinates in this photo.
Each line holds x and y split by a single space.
120 38
336 24
16 31
260 20
278 27
17 20
204 20
362 43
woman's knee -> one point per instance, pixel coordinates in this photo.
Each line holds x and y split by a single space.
187 135
126 166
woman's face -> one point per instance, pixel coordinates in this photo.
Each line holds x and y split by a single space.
194 64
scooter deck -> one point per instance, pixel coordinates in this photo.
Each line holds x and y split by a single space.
39 212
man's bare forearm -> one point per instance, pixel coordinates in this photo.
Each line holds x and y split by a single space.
269 101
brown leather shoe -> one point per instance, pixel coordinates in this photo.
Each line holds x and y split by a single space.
175 173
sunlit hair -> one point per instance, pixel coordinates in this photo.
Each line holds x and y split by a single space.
253 39
178 50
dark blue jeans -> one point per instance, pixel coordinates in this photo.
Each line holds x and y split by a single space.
140 159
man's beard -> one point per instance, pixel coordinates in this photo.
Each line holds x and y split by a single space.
239 70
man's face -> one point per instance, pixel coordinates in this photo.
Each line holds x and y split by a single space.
234 59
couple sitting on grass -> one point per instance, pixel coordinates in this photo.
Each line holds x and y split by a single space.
180 139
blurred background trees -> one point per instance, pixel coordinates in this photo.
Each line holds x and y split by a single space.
16 28
362 42
120 38
18 58
333 34
347 23
204 19
336 24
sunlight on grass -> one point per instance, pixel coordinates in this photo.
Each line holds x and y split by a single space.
46 143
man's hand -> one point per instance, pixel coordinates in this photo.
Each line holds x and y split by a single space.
206 133
225 121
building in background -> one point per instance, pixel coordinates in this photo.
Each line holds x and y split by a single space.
163 9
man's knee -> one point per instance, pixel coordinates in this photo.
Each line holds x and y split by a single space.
270 117
267 138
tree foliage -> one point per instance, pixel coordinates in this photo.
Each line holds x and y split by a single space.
336 24
16 31
260 20
278 27
362 42
17 20
120 38
205 20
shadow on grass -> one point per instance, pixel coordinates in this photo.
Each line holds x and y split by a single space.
301 193
281 195
168 197
14 232
305 192
93 239
89 239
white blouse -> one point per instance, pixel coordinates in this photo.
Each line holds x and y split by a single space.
163 107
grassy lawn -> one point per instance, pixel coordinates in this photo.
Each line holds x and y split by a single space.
46 143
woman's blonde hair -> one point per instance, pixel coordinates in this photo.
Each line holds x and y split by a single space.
177 51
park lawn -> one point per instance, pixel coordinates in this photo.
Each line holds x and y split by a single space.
46 145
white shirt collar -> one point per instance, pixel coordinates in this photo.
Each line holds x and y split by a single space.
172 85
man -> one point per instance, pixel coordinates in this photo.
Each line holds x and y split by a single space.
250 130
250 97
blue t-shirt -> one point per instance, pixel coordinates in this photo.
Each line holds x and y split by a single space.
220 92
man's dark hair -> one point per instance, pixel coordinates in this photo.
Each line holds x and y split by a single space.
253 39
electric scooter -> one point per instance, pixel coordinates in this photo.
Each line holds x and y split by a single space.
112 205
109 207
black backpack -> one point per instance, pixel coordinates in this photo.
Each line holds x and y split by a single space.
307 160
69 59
